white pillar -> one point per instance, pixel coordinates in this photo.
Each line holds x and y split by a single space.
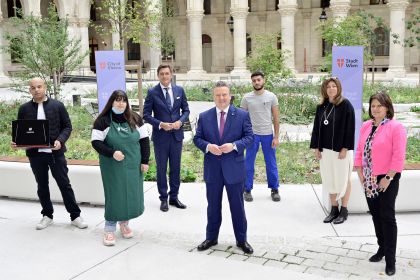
3 77
239 12
287 10
84 43
340 9
307 17
154 37
396 51
195 15
31 7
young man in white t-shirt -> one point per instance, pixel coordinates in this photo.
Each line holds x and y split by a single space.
262 106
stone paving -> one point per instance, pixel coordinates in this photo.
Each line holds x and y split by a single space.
325 257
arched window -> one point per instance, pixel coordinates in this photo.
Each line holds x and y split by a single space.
382 40
207 7
248 44
15 51
133 50
13 8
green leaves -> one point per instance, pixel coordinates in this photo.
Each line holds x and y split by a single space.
45 49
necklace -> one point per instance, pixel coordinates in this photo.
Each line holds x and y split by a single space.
326 122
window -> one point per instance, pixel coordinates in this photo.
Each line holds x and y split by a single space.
382 39
249 5
15 51
207 7
277 5
326 48
248 44
133 50
93 12
14 8
377 2
278 42
325 3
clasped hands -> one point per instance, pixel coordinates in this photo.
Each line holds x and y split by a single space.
170 126
218 150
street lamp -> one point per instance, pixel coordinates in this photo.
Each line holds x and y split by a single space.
323 15
230 24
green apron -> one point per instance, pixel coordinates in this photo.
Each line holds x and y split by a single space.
122 180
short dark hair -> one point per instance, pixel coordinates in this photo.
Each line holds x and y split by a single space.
162 66
384 99
221 84
257 73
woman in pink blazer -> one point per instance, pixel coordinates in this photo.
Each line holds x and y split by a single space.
379 161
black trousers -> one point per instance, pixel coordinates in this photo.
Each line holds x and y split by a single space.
40 165
382 209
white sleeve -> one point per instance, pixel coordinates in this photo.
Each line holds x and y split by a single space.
99 134
143 131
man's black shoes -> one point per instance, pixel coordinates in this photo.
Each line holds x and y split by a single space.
164 206
177 203
206 244
245 247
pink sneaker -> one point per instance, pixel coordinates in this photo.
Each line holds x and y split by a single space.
109 239
126 230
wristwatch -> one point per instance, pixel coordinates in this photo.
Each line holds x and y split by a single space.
389 178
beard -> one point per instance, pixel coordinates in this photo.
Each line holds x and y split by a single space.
257 88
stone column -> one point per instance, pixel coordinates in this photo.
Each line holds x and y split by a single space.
307 30
340 9
396 51
3 77
84 42
154 37
31 7
239 12
287 10
195 15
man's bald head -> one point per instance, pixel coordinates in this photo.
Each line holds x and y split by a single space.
38 89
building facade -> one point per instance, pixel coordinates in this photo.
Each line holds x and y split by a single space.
214 36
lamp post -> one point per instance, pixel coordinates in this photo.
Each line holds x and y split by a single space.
230 24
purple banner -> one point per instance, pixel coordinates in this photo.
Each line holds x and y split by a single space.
347 66
110 74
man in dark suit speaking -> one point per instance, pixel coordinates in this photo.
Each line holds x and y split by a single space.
168 103
223 133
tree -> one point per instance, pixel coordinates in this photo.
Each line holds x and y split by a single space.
130 19
166 39
267 58
354 30
44 50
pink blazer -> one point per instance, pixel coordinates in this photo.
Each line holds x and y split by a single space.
388 147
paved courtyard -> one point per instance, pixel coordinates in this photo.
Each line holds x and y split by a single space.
289 239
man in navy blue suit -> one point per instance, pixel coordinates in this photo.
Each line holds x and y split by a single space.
169 106
223 133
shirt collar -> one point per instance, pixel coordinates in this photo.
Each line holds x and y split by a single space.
169 87
224 110
45 99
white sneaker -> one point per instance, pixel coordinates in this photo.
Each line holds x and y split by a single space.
126 230
78 222
109 239
45 222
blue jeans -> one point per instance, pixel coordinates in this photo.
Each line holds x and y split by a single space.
111 226
269 158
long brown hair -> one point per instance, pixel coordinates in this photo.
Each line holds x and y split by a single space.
132 118
324 96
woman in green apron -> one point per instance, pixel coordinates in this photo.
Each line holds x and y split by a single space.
122 141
